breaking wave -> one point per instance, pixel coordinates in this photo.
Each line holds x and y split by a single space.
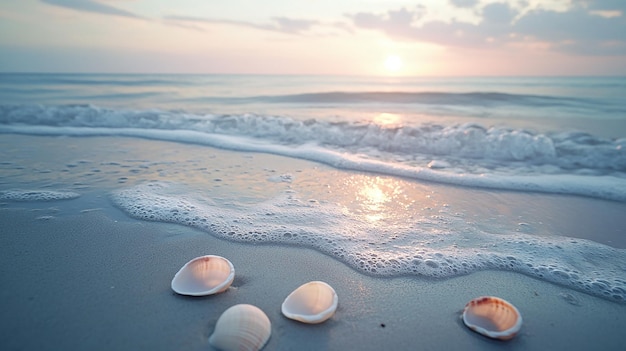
463 154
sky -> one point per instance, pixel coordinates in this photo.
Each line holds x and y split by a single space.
345 37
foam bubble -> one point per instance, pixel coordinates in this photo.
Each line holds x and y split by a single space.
282 178
37 195
432 246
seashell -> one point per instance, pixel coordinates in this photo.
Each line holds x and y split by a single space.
241 327
205 275
493 317
313 302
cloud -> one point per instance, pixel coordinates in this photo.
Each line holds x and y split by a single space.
498 13
574 25
607 5
400 24
277 24
91 6
395 22
464 3
288 25
587 28
578 31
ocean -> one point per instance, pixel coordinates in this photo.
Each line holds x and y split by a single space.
552 136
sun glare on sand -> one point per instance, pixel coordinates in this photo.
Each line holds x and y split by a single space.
393 64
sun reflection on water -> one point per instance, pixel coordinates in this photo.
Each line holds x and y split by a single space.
373 199
387 120
378 198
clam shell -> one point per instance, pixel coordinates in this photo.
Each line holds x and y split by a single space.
241 327
205 275
313 302
493 317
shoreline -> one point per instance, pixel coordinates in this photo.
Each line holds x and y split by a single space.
86 165
88 281
81 274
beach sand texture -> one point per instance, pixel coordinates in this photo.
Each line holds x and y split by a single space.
81 274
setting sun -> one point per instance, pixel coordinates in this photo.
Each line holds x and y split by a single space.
393 63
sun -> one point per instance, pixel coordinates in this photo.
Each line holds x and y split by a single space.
393 63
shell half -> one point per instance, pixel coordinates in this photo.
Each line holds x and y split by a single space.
493 317
313 302
241 327
204 275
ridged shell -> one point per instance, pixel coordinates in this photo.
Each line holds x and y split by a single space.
313 302
241 327
493 317
205 275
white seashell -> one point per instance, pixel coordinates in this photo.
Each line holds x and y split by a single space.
313 302
493 317
205 275
241 327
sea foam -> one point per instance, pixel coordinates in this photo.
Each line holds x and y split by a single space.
438 246
37 195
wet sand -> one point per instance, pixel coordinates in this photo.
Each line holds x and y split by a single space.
95 280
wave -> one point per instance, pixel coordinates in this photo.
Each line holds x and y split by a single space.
429 98
466 154
114 80
123 96
474 104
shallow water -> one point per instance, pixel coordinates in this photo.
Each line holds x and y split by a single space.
377 224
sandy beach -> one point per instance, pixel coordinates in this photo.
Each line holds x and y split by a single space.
79 281
81 274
